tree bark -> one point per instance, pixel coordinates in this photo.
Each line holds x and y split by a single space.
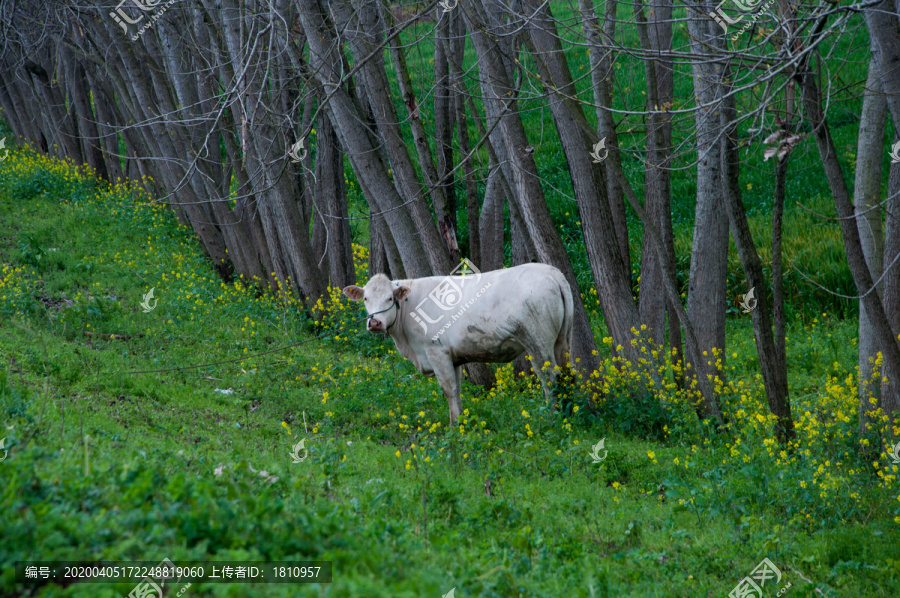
349 120
443 129
491 225
331 206
365 35
774 373
885 333
600 54
709 250
884 31
612 278
515 155
432 175
867 199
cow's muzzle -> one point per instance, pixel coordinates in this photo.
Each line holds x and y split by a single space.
373 324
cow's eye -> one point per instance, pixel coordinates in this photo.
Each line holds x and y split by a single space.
365 298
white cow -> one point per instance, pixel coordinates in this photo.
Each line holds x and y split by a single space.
442 322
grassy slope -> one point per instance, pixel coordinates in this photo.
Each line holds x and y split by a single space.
670 512
685 514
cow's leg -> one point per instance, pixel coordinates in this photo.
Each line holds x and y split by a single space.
448 377
458 390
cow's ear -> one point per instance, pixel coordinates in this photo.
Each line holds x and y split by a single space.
354 292
401 293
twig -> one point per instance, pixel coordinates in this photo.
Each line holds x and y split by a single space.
818 591
503 450
424 515
87 463
118 337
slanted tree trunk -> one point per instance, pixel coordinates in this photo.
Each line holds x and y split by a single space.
774 373
516 159
58 118
432 175
611 277
885 334
349 120
88 135
107 124
19 122
364 31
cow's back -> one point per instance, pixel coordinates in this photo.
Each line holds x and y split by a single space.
498 316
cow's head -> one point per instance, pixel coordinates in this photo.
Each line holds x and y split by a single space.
381 298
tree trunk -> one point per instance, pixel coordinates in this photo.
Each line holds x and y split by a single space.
88 134
457 45
611 277
364 31
515 155
709 250
349 121
885 334
331 205
884 30
491 225
432 175
774 373
867 199
443 129
652 304
600 43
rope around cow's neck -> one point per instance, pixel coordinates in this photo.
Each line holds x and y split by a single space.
397 305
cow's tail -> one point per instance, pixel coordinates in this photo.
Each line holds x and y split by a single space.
563 346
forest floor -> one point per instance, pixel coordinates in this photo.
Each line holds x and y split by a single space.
196 464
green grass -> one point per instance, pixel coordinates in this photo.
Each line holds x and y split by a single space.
512 503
